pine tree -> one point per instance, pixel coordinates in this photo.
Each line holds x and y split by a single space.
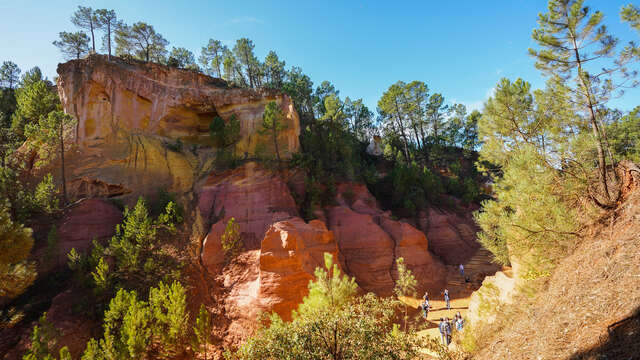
243 51
73 45
49 135
212 57
274 71
391 106
16 272
202 330
141 41
573 46
9 74
272 124
405 285
168 305
107 21
231 241
182 58
35 99
44 339
85 19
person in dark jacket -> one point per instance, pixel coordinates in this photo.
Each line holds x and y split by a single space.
447 299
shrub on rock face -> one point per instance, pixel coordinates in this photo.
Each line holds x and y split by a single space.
16 273
133 327
230 239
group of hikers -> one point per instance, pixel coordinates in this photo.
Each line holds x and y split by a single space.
446 325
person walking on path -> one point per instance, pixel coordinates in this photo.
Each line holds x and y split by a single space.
447 331
447 299
461 267
441 326
425 305
459 323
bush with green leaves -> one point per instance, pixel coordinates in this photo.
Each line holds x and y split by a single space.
44 340
405 285
202 331
333 323
231 241
17 273
132 259
134 328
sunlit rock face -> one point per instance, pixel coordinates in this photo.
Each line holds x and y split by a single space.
111 95
130 116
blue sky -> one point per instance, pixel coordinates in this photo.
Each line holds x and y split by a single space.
459 48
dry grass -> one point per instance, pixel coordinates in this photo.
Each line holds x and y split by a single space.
595 287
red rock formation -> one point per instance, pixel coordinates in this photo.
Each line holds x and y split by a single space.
89 188
90 219
254 196
452 236
366 250
275 278
370 242
291 251
412 245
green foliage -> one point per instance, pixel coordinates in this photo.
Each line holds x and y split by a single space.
528 220
333 323
405 285
212 57
182 58
73 45
141 41
231 241
202 330
168 305
86 19
9 74
406 189
35 99
224 134
16 272
247 68
574 48
624 134
133 327
101 276
136 250
272 124
44 339
45 196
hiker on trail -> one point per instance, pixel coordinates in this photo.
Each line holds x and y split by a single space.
459 323
447 299
447 331
441 328
461 267
425 305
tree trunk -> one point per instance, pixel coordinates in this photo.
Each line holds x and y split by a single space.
93 40
602 161
109 40
275 142
64 179
402 133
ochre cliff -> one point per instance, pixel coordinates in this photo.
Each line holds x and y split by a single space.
107 96
144 126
